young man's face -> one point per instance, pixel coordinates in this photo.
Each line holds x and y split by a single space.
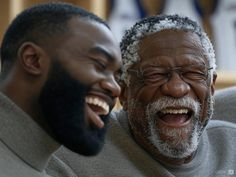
170 102
81 87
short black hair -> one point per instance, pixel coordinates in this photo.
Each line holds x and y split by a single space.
38 23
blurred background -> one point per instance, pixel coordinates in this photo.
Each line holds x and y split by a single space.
217 17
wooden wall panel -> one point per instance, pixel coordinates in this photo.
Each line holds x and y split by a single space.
8 12
4 17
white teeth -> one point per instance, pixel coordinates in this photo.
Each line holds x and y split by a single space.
175 111
98 102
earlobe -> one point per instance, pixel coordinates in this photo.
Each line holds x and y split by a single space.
213 83
30 56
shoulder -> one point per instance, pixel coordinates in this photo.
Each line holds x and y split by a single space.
225 103
56 167
218 128
220 124
226 92
219 145
221 134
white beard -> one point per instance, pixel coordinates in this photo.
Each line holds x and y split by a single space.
177 147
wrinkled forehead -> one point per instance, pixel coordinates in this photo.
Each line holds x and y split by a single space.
171 43
170 39
130 42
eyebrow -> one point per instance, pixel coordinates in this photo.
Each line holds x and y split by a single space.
104 52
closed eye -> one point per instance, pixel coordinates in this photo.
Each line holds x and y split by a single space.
100 64
194 75
155 76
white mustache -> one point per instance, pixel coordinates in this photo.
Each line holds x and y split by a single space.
166 102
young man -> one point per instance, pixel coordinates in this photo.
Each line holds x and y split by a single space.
165 127
58 85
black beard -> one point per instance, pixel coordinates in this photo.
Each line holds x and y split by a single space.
62 101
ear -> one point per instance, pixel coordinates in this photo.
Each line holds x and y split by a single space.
123 96
32 58
213 83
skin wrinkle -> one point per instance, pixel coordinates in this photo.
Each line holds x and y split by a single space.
186 44
187 148
156 62
167 143
148 44
151 25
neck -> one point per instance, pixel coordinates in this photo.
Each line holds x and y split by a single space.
25 99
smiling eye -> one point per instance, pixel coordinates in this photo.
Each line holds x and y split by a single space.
153 76
102 65
194 75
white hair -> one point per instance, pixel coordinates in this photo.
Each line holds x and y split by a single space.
153 24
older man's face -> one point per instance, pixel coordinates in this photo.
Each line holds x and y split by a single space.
170 100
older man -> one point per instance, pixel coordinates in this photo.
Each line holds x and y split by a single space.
59 65
165 127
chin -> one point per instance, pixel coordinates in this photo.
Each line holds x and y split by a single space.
176 143
91 141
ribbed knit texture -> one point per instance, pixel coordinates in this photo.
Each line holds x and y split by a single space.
122 157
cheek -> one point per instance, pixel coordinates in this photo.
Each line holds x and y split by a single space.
138 100
144 95
202 91
206 107
86 75
137 117
85 72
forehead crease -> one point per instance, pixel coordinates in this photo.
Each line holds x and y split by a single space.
184 50
172 52
169 38
170 44
179 59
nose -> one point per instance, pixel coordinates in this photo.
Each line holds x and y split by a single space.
111 86
175 87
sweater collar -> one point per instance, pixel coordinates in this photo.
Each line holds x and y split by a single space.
122 117
24 136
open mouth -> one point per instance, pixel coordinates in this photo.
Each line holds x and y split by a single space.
98 105
175 116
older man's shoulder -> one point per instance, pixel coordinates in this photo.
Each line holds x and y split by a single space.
220 124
